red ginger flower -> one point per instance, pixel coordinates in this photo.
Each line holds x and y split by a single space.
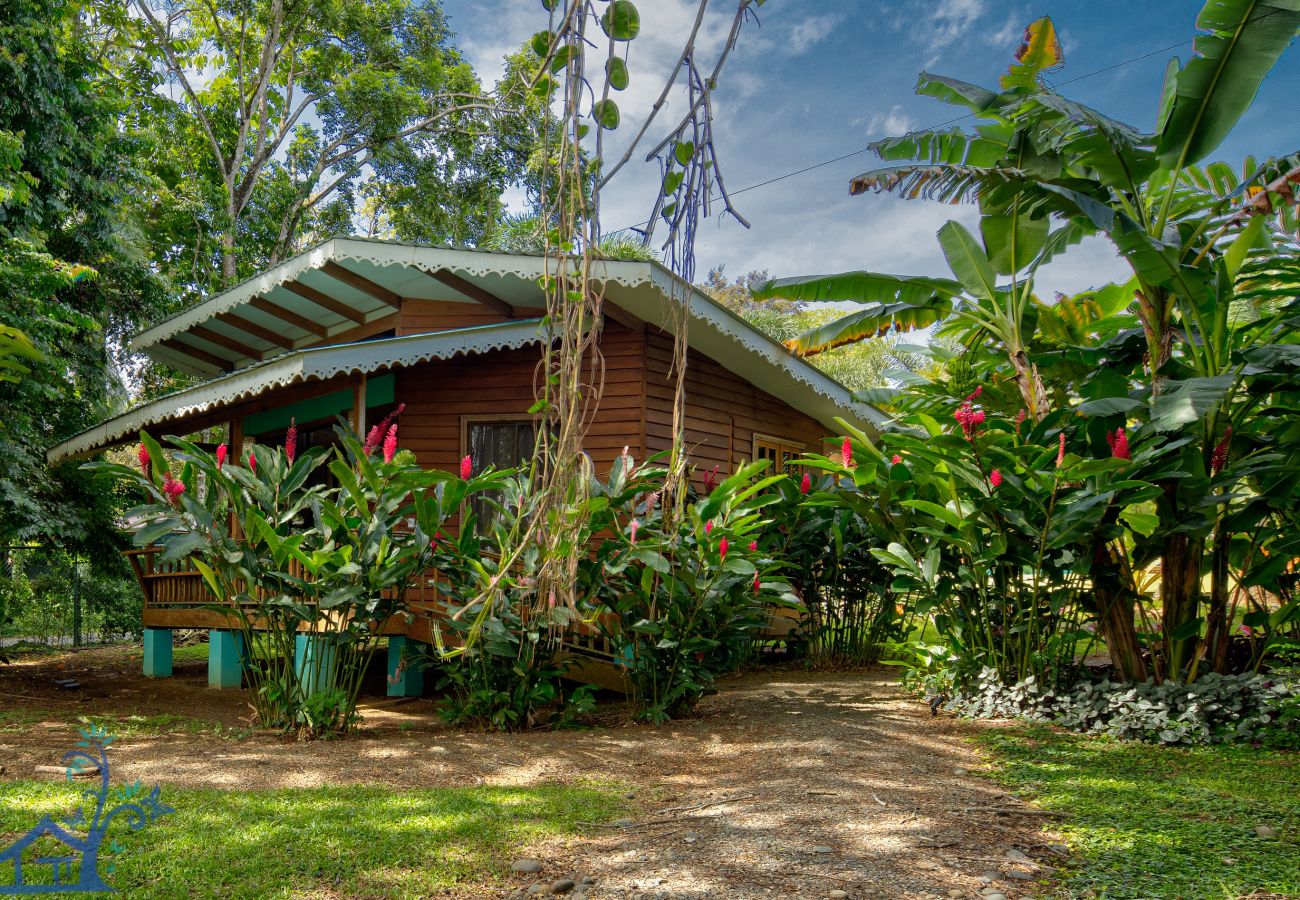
969 419
173 488
1219 458
722 548
466 468
143 455
373 437
710 480
805 483
979 389
995 478
753 545
291 441
846 453
252 462
377 434
390 443
895 460
1020 419
1119 444
1060 453
222 451
757 586
708 527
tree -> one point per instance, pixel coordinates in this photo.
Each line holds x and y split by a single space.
267 117
72 278
1038 157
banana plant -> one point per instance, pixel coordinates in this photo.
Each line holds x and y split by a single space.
973 302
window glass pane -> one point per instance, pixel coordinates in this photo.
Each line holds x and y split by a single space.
501 445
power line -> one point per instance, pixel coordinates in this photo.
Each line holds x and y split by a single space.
953 121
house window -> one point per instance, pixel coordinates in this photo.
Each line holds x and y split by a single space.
501 445
782 453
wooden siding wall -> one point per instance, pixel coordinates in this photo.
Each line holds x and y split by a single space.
441 394
723 411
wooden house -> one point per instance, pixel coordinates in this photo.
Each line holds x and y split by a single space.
353 326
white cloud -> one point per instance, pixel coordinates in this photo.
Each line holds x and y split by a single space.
950 20
810 32
891 123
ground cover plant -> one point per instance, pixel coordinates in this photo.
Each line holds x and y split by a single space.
1149 821
352 841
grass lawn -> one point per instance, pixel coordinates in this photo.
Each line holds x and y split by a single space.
347 841
1148 821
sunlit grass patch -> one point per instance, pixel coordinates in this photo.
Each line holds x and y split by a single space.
1152 821
346 841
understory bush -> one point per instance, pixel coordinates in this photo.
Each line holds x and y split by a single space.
1214 709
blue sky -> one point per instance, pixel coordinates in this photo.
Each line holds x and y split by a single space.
822 78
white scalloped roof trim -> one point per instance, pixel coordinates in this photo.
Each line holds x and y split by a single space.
467 263
317 363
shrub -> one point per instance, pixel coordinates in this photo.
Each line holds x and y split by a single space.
1214 709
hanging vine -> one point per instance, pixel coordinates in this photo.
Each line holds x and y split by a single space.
584 37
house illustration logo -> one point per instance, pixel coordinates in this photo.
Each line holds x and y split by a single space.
75 866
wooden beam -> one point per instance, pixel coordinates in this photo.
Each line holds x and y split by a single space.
266 334
288 315
211 359
307 292
358 414
365 285
221 340
621 316
473 291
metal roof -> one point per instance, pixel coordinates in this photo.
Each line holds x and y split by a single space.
268 323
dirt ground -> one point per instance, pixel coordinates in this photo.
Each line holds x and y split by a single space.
787 783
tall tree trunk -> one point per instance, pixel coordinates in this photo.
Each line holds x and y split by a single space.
1217 638
228 268
1180 590
1115 613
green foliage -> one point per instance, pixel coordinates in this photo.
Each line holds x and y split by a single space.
1214 709
1151 821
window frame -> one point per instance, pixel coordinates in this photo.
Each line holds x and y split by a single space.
469 420
786 448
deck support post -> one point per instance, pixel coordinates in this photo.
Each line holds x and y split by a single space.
403 680
314 662
157 652
225 658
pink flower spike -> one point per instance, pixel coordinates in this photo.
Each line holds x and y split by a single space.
895 460
466 468
373 437
722 548
143 455
173 488
805 484
221 456
633 528
995 478
390 443
1119 444
975 395
291 441
846 453
1060 454
708 527
1219 458
252 462
753 546
757 586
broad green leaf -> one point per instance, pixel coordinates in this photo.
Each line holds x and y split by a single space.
967 260
1013 240
606 114
616 73
1184 402
1239 43
621 21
